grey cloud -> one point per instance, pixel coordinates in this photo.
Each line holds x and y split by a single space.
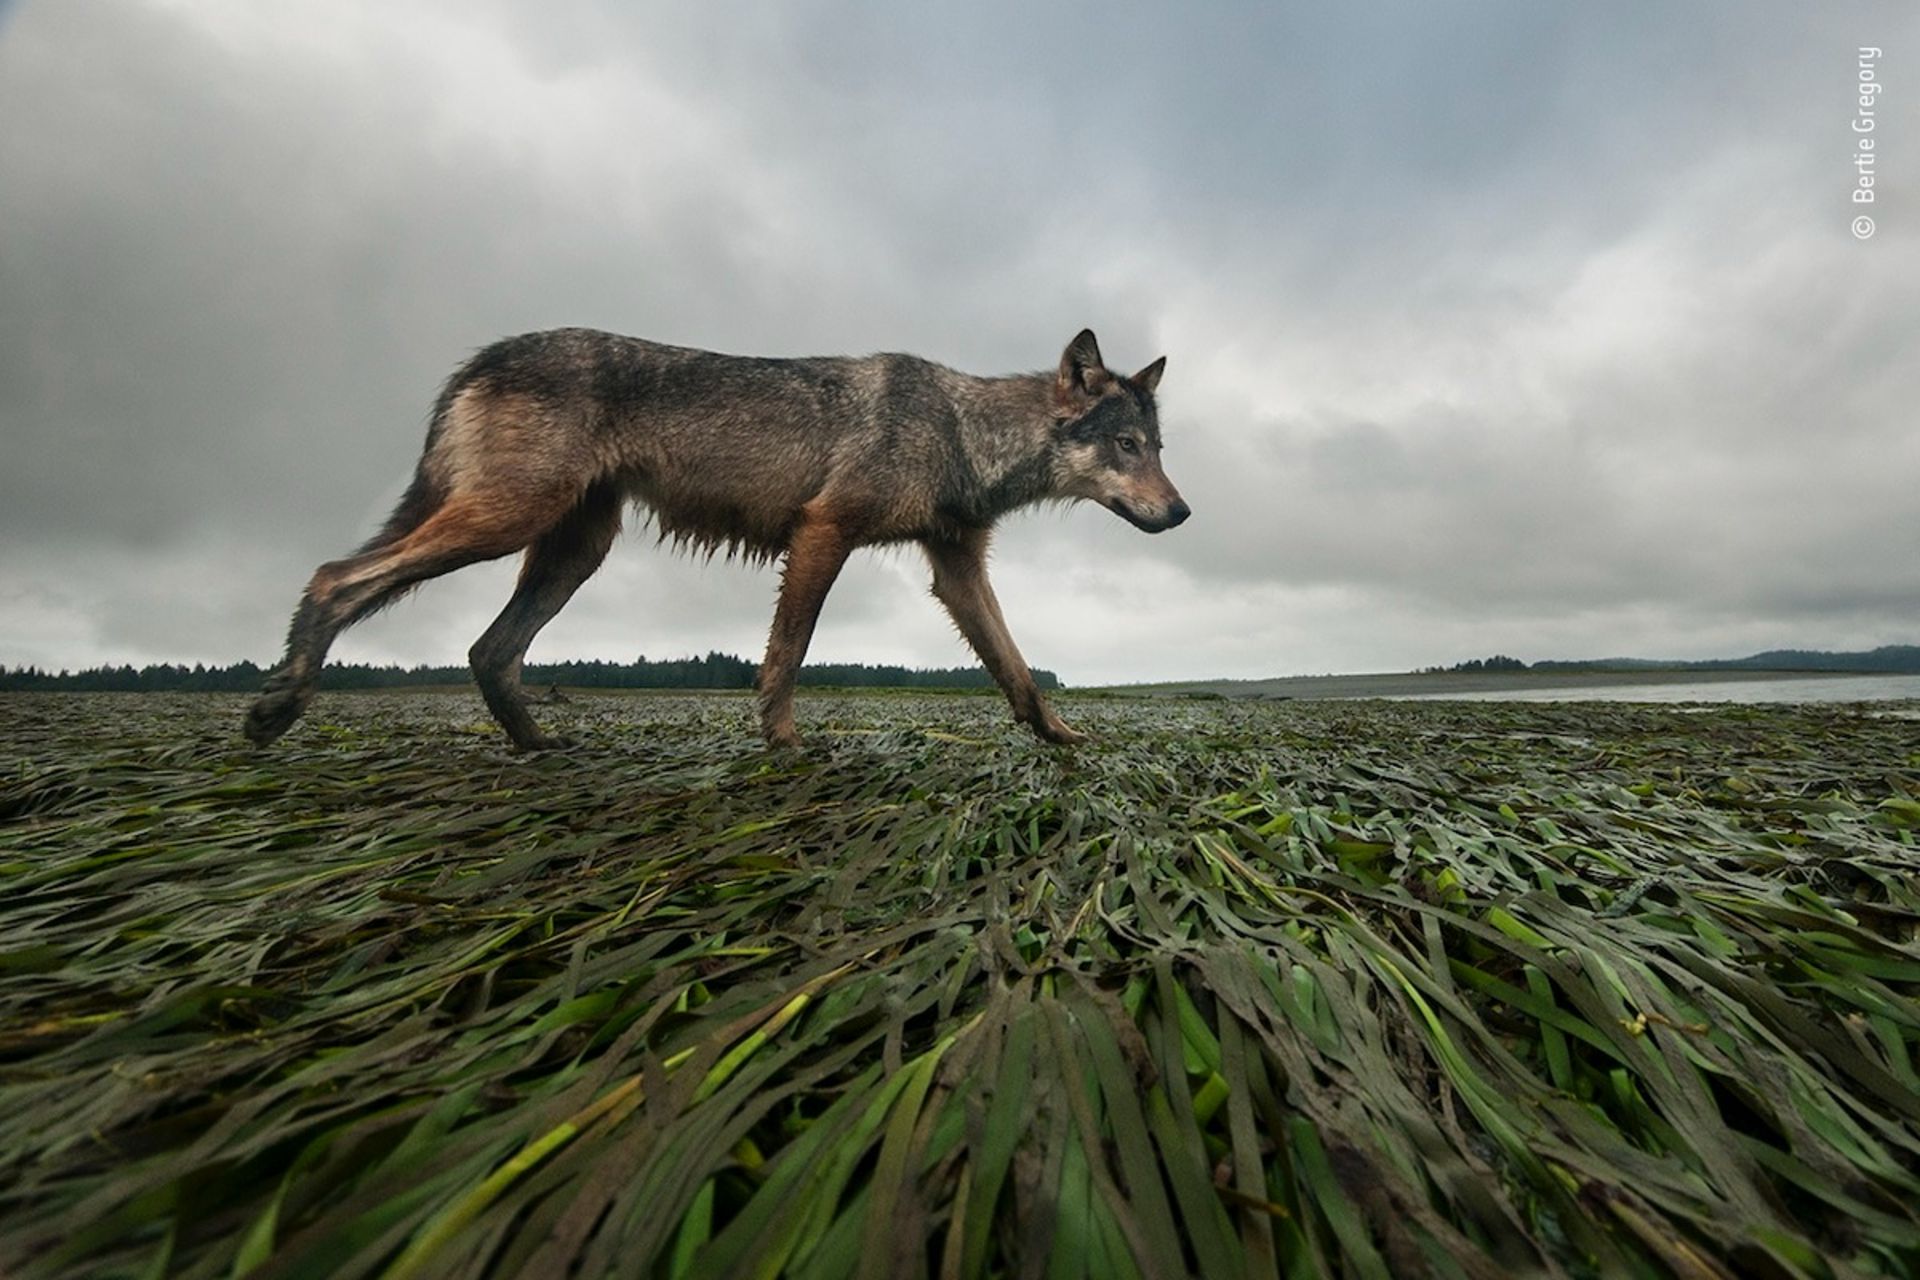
1489 328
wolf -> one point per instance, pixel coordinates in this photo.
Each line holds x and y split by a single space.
538 442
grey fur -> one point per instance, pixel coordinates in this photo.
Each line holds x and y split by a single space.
538 441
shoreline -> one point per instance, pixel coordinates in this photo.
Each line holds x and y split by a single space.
1439 684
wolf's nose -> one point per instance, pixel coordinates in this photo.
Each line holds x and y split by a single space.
1178 513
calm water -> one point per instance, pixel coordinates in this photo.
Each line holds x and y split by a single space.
1792 689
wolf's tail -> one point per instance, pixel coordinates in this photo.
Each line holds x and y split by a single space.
427 493
423 497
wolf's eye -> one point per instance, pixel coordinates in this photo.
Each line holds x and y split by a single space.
1129 445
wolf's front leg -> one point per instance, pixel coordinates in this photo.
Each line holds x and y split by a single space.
814 557
960 582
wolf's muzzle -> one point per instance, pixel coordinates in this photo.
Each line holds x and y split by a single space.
1176 514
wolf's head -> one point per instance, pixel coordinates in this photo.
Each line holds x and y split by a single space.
1107 439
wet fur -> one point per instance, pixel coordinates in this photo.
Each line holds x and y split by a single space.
539 442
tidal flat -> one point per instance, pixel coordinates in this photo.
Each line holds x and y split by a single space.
1355 988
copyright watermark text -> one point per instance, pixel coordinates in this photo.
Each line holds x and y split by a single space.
1866 145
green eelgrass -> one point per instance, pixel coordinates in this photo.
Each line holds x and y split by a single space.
1369 989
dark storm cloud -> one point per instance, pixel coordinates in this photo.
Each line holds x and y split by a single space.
1490 327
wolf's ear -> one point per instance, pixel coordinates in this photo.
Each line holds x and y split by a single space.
1081 372
1149 378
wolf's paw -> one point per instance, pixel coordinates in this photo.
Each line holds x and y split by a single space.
1053 729
782 738
546 742
273 713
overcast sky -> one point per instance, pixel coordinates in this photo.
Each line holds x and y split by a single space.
1526 328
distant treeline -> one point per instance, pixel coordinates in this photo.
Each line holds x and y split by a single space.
1498 662
1891 659
715 671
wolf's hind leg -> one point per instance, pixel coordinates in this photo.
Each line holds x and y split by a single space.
290 686
557 563
466 529
960 583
